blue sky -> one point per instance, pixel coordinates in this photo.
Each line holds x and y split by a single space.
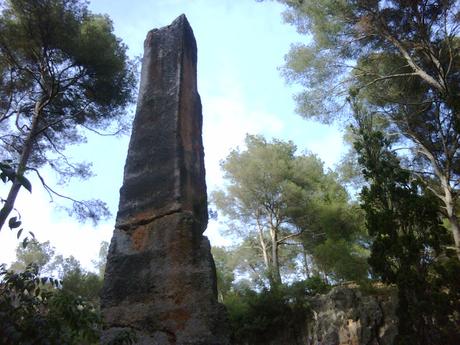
241 45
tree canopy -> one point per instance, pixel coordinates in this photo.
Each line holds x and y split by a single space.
54 85
411 247
418 37
402 60
284 207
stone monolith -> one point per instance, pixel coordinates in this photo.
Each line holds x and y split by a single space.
160 280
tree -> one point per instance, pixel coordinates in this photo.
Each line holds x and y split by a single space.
273 200
421 37
73 278
410 243
224 261
82 283
101 262
336 239
403 59
62 70
39 254
259 317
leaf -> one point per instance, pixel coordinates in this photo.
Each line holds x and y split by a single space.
25 183
14 223
32 234
25 242
19 233
8 172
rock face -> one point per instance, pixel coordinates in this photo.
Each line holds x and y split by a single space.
346 316
160 280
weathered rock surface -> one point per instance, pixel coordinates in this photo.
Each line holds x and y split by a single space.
345 316
164 170
160 278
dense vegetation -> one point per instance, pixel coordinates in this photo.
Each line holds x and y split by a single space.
46 298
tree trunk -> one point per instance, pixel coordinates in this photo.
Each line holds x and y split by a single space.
449 199
305 263
275 269
455 226
263 245
26 151
453 219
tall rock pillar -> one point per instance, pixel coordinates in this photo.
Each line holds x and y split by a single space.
160 279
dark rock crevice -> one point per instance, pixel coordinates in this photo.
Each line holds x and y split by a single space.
129 227
379 324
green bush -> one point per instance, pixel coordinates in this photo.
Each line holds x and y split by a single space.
311 286
34 310
258 317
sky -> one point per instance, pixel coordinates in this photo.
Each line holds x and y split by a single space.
241 47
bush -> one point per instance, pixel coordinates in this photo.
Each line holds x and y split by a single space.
34 310
258 317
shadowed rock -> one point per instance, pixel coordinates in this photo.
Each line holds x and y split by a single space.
160 278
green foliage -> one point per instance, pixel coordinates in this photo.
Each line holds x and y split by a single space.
64 34
100 263
281 204
38 309
399 58
7 174
81 283
340 260
39 254
124 337
388 40
34 311
410 245
258 317
54 85
74 279
224 261
310 287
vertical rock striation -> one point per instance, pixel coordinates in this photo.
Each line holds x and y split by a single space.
160 278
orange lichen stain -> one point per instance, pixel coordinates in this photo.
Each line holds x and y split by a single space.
139 238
